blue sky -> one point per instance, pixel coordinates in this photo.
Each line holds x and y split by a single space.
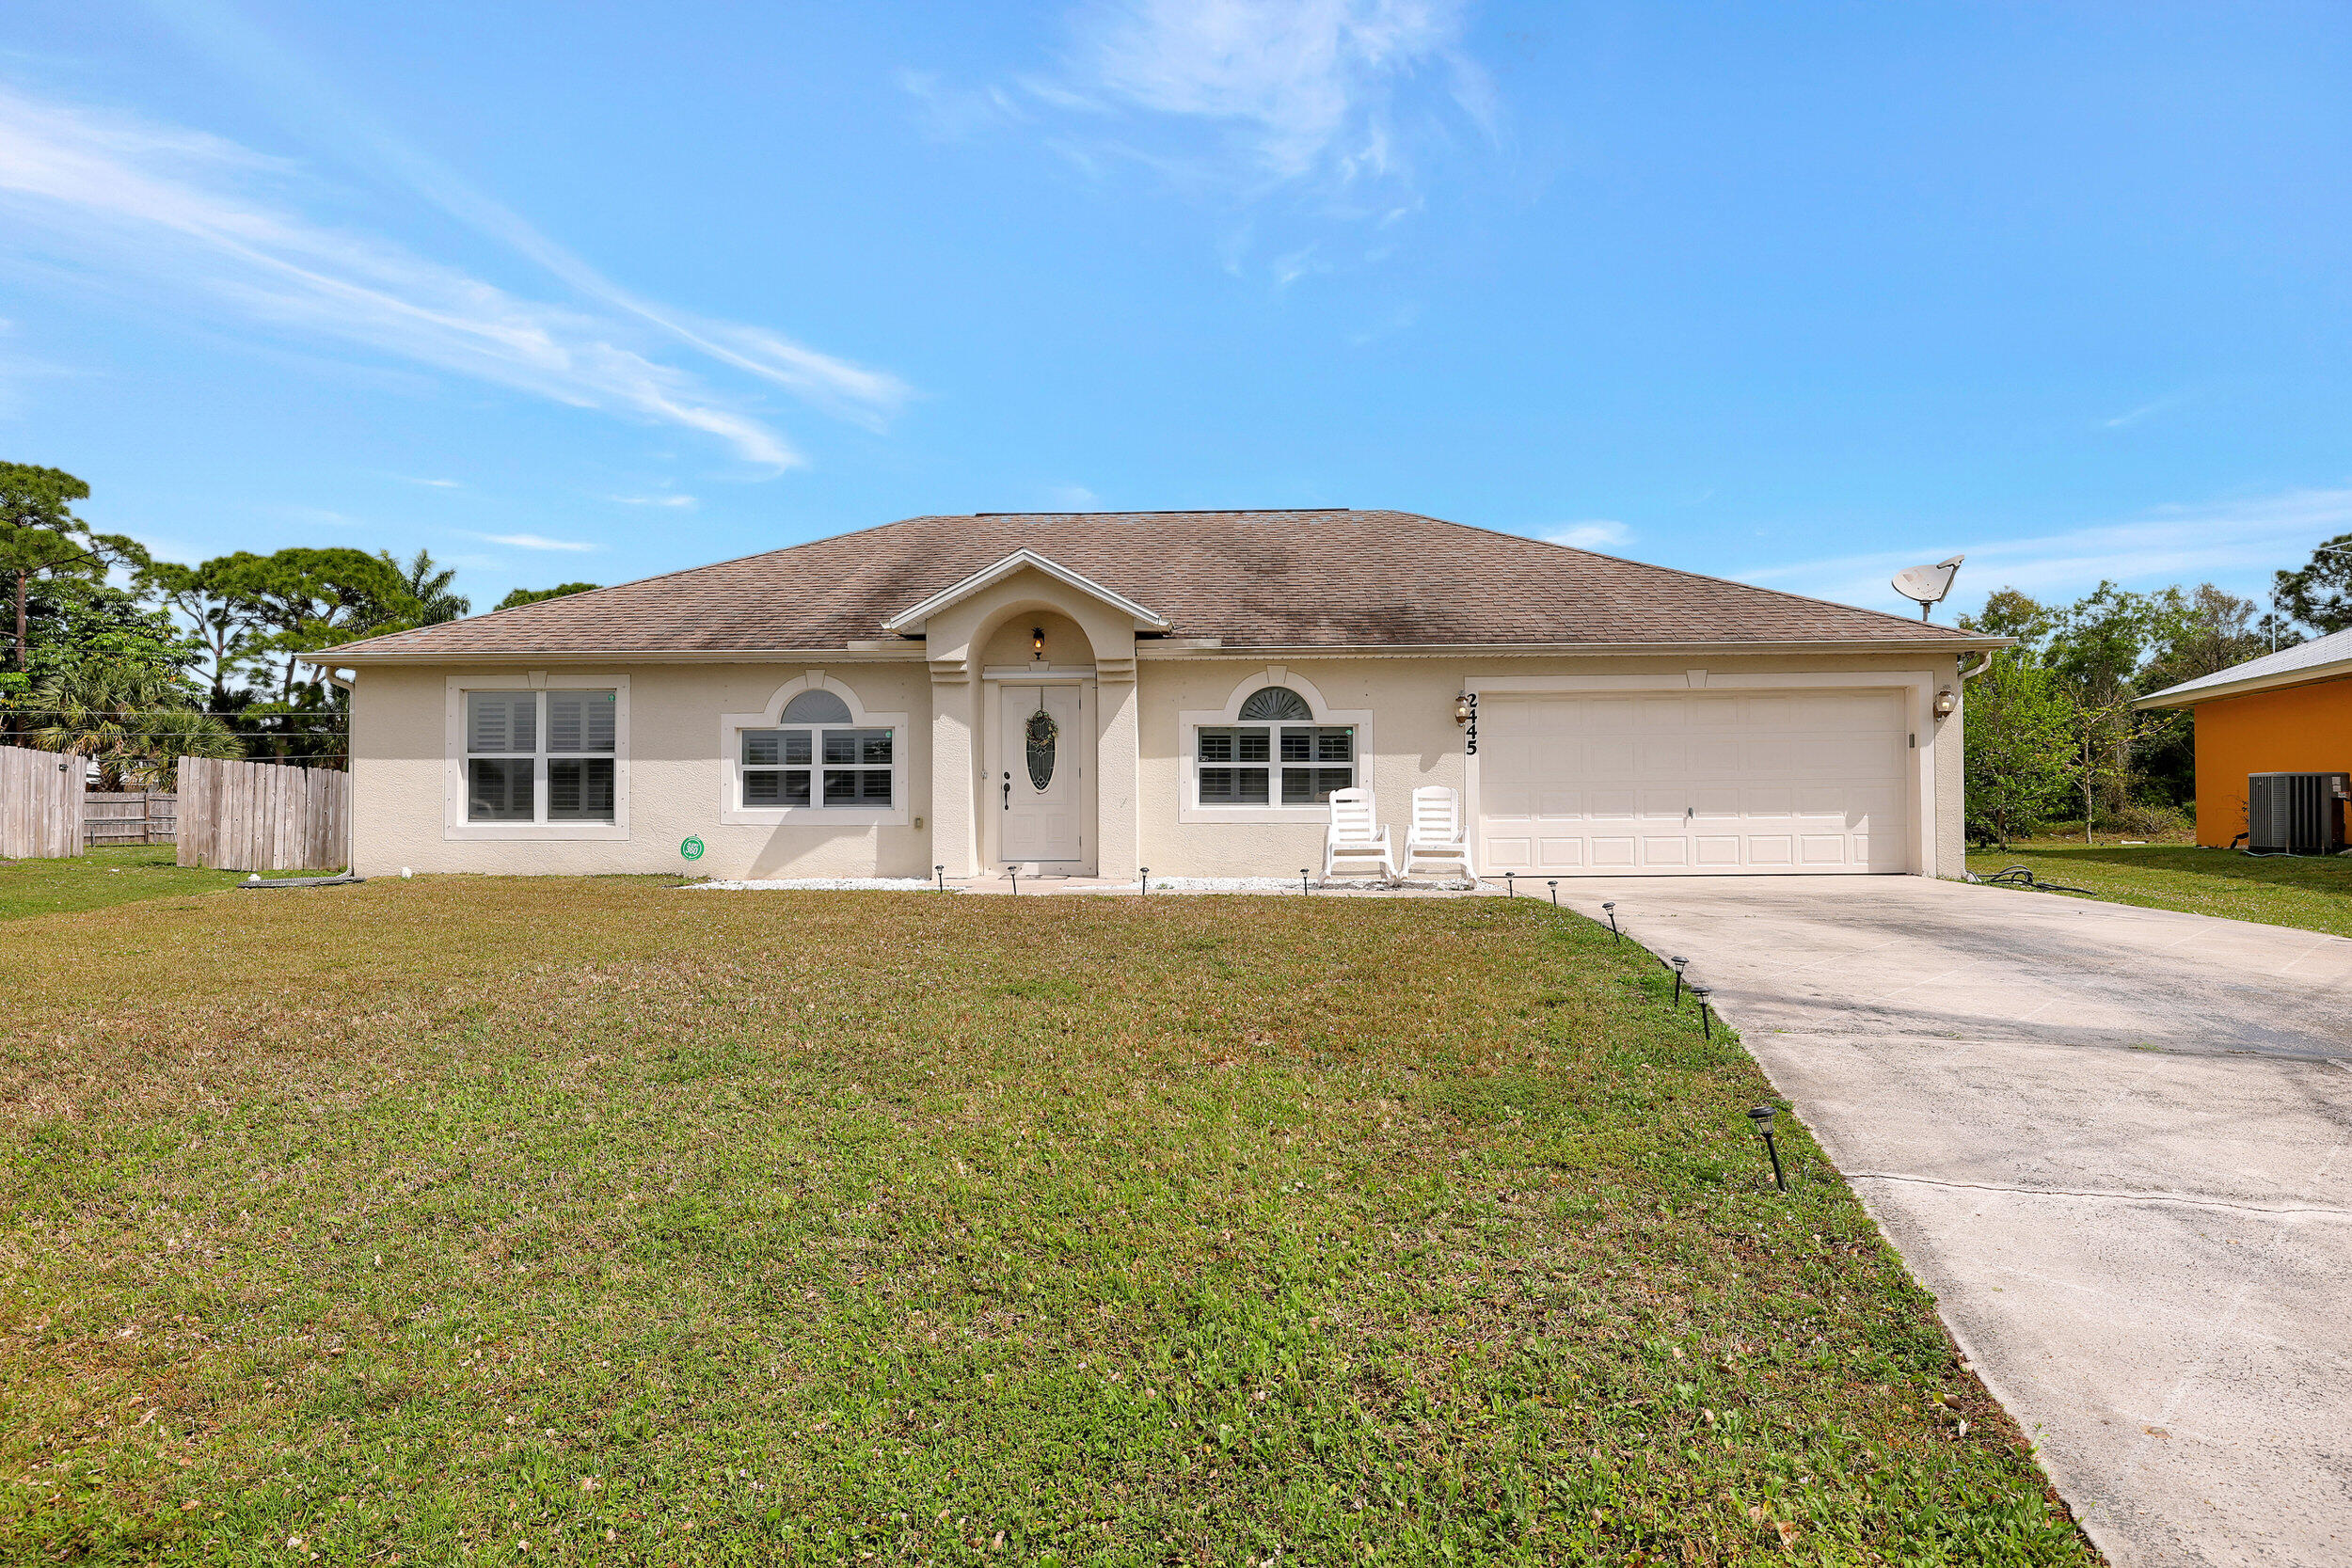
1794 293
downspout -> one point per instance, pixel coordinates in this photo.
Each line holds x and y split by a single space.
1983 665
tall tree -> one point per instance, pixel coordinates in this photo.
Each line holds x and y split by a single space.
304 599
2021 747
40 537
429 585
2319 594
226 617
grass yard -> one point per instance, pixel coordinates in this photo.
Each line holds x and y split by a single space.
104 877
565 1221
2310 892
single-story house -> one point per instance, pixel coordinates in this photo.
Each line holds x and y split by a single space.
2287 712
1089 693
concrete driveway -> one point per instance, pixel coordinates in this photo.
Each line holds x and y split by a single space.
2115 1143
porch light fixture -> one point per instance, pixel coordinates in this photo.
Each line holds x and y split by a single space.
1761 1119
1036 642
1947 703
1461 708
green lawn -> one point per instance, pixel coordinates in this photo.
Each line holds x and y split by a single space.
2310 892
506 1220
100 878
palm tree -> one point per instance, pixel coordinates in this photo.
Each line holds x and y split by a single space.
429 583
133 721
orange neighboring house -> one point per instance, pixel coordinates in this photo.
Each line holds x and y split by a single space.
2287 712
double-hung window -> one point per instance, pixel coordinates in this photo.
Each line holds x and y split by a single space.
540 757
1286 758
818 756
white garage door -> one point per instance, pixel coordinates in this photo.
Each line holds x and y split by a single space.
1695 782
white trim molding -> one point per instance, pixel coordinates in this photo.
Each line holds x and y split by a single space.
913 618
454 824
1918 715
732 725
1188 727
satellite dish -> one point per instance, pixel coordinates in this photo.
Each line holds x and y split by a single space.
1928 584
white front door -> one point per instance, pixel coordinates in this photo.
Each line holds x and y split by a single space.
1040 788
1689 782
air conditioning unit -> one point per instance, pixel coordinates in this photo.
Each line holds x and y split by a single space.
2296 814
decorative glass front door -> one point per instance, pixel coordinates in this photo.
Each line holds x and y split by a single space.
1041 786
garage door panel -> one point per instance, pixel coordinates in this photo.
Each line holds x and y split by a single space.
1689 782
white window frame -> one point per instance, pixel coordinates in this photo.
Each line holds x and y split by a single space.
456 793
1190 724
817 814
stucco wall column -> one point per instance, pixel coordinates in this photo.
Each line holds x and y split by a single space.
955 731
1118 792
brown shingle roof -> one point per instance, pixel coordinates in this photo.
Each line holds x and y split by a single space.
1326 578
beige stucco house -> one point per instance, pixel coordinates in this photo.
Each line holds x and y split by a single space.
1091 693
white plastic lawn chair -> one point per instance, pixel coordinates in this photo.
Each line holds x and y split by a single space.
1438 833
1356 834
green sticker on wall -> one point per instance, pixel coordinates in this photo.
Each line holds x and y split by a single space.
692 848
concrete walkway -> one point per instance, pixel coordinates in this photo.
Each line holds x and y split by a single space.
2117 1143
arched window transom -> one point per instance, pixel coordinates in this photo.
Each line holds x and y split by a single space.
1277 702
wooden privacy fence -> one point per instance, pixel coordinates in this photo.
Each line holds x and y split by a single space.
41 803
128 816
262 816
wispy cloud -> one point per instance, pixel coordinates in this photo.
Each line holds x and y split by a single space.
1239 101
433 483
1073 498
1301 87
684 503
2132 417
203 223
2235 543
537 541
1594 533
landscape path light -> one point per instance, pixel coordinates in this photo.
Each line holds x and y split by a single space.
1143 880
1015 872
1510 884
1554 885
1761 1117
1679 964
941 872
1705 1027
1302 881
1609 907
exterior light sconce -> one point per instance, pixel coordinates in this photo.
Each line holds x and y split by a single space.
1761 1118
1463 711
1947 703
1036 642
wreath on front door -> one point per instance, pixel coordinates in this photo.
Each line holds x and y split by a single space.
1041 732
